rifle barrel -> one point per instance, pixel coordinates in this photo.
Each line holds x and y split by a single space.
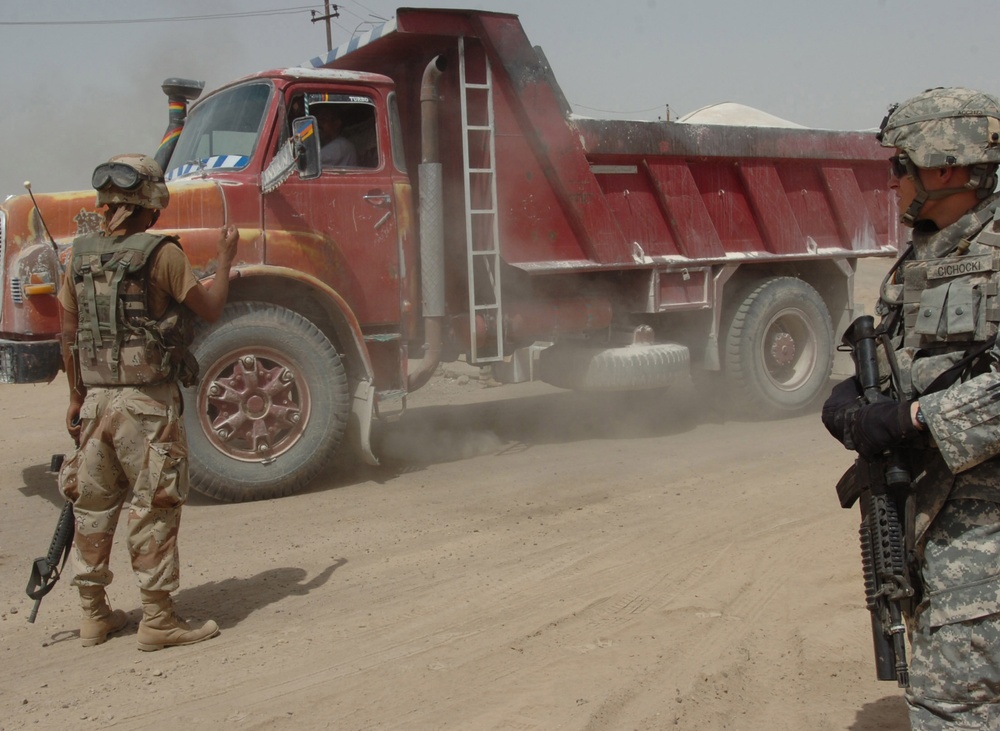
34 610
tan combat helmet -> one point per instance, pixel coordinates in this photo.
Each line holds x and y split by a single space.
946 127
132 179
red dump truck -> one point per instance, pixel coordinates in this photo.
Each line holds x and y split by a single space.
473 216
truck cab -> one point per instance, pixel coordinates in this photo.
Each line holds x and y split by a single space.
329 254
343 235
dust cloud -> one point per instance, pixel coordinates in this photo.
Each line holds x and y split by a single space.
59 129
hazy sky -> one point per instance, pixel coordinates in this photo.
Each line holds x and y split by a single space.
76 94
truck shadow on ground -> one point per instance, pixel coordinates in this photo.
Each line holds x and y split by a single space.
435 434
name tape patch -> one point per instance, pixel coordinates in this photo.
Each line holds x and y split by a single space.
944 268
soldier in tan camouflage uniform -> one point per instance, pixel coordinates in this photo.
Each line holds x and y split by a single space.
127 296
943 298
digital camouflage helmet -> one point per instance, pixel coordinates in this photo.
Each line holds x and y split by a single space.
945 127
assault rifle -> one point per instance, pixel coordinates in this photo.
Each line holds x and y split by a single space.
878 482
45 571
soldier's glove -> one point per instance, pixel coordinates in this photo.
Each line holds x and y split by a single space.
876 427
840 409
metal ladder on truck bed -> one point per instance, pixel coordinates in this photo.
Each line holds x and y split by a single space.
482 230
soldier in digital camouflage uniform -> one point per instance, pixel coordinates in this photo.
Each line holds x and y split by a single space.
943 295
127 296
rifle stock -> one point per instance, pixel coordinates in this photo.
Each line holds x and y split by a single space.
45 571
875 481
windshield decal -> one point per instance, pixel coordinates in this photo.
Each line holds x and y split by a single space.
318 98
235 162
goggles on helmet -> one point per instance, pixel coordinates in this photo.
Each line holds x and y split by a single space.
120 175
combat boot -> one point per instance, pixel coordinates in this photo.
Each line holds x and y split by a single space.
161 627
99 620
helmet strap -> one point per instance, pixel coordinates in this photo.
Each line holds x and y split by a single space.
909 216
982 179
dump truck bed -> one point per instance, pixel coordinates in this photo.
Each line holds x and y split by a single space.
578 193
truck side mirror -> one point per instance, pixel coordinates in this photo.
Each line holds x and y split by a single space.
299 152
305 132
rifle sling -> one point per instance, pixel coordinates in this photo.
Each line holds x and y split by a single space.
948 378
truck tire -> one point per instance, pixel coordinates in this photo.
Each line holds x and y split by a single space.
270 405
778 349
630 368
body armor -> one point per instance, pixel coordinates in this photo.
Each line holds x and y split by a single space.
947 296
118 342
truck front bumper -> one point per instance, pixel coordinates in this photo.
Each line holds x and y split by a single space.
26 361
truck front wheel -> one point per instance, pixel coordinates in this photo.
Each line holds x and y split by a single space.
779 349
270 405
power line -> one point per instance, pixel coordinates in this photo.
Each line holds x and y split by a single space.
371 14
174 19
616 111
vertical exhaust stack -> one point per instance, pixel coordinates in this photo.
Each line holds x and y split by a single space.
431 226
179 92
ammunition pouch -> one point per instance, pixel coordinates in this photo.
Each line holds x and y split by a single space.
175 331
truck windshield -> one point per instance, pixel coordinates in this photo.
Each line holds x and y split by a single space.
221 132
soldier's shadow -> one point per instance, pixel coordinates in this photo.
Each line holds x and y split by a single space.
231 601
885 714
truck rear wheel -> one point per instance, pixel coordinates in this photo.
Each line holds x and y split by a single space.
779 349
270 405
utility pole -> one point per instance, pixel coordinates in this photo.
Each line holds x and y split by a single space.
327 16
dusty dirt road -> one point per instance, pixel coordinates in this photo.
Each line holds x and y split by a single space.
525 559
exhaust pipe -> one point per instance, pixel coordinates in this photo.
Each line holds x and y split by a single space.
431 227
179 92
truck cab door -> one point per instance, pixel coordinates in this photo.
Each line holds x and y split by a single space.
341 227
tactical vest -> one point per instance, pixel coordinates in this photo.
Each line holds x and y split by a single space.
949 304
117 340
952 301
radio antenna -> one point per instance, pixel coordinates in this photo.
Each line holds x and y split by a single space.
27 184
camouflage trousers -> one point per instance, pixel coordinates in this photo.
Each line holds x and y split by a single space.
955 669
132 437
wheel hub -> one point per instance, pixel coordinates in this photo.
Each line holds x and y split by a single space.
783 349
254 408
